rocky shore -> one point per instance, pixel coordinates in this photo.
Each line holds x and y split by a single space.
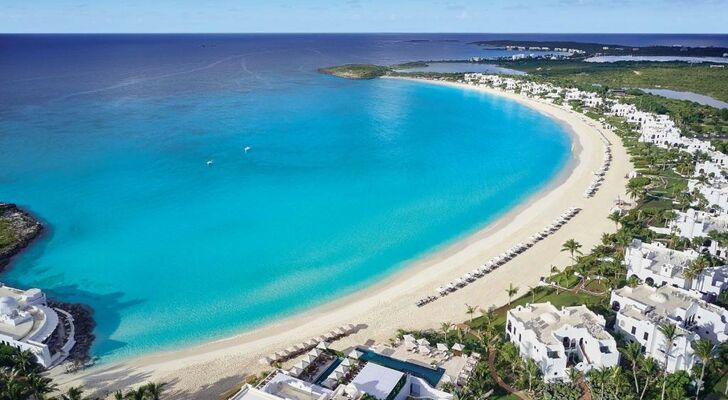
17 230
83 320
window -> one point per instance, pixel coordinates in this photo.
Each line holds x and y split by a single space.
645 336
634 330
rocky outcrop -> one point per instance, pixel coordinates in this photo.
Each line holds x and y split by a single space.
17 229
83 320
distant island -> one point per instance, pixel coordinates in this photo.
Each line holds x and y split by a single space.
601 49
357 71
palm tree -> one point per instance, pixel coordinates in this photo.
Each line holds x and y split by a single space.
633 353
533 294
24 361
118 395
531 369
705 351
572 246
154 390
512 290
73 393
136 394
616 218
695 268
669 331
488 317
599 377
445 328
634 193
648 368
40 385
554 270
470 310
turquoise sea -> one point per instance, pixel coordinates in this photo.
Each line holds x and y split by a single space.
344 183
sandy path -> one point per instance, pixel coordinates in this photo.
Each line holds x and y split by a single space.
206 371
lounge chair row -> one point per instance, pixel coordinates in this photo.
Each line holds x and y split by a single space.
511 253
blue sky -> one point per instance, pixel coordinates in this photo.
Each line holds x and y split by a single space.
609 16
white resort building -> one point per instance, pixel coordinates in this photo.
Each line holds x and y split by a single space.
343 380
715 194
693 224
641 311
27 323
656 265
559 339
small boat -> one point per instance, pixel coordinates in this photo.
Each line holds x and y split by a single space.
210 162
247 149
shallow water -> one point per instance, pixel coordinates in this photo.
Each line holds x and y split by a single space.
345 181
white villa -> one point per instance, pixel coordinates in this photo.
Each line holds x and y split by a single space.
27 323
693 223
555 339
641 310
656 265
716 194
715 167
375 380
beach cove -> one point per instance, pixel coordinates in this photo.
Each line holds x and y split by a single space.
207 370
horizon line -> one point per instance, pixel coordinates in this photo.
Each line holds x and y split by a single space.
363 33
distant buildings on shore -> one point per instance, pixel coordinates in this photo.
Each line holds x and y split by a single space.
28 323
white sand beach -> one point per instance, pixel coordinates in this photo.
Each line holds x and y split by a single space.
206 371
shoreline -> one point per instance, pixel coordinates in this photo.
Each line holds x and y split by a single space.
210 369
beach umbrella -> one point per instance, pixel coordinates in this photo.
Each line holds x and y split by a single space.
440 289
291 350
320 339
354 354
281 355
330 382
442 347
408 338
303 364
423 342
347 362
458 347
310 358
315 352
311 343
423 349
295 371
350 327
322 345
266 360
340 331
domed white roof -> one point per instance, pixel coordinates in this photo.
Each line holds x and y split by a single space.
8 305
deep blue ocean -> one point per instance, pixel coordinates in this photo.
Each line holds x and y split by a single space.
107 139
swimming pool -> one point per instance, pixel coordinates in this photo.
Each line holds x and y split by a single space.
432 376
328 371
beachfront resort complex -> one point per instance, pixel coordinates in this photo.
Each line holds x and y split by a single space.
517 220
